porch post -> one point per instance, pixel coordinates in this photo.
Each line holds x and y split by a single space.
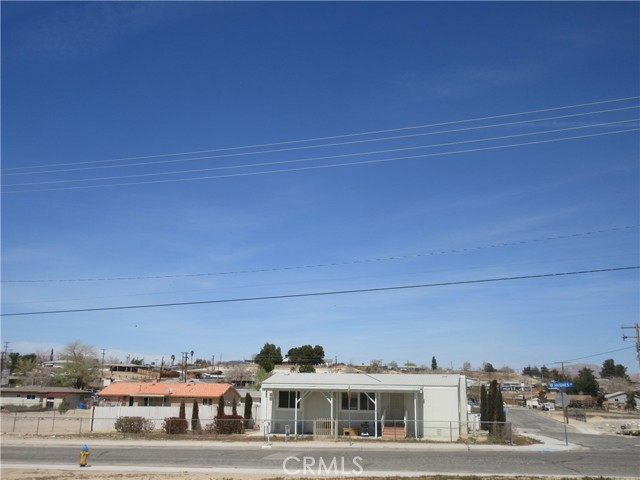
295 414
375 409
415 414
334 428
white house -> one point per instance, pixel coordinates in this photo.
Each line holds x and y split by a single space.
619 399
387 405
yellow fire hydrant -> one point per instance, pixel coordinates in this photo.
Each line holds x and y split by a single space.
84 454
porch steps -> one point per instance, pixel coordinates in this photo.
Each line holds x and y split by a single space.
393 432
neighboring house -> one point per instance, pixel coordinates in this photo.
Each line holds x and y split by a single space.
167 394
508 386
387 405
619 399
45 397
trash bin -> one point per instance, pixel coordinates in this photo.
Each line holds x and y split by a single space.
84 454
364 429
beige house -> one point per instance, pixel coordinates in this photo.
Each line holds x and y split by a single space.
44 397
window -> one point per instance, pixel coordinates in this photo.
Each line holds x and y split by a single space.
359 401
31 397
207 401
365 401
345 401
287 399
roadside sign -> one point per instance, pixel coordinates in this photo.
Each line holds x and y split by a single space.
560 384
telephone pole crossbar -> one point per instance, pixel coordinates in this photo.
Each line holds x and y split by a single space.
635 327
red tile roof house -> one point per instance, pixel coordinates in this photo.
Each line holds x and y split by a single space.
167 394
159 400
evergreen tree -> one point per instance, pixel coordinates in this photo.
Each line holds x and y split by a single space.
491 401
220 406
182 413
499 415
248 404
555 375
434 363
306 355
585 383
631 401
234 408
608 368
269 356
489 368
483 407
195 417
544 372
612 370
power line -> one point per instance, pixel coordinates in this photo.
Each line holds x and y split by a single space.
284 162
343 135
280 150
594 355
318 294
317 167
335 264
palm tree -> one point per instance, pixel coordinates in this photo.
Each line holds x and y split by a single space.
173 359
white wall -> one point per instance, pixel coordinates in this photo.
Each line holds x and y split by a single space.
14 399
104 418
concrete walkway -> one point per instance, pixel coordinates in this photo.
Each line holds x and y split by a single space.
547 444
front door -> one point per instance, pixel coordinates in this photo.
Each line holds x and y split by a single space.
396 406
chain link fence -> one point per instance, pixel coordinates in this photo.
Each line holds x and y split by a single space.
282 429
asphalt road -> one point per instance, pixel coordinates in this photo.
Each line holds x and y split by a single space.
538 422
623 462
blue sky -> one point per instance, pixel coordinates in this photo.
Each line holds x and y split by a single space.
102 103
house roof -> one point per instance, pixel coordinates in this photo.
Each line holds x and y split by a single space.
357 381
43 390
166 389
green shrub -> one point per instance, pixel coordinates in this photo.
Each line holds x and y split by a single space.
133 425
175 425
64 406
229 424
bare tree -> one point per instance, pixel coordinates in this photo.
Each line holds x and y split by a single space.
375 366
238 373
80 365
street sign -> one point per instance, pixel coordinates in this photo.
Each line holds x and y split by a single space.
560 384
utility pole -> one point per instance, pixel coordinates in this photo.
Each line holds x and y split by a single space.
4 356
636 336
565 407
102 369
185 356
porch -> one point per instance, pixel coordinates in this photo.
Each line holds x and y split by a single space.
392 415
